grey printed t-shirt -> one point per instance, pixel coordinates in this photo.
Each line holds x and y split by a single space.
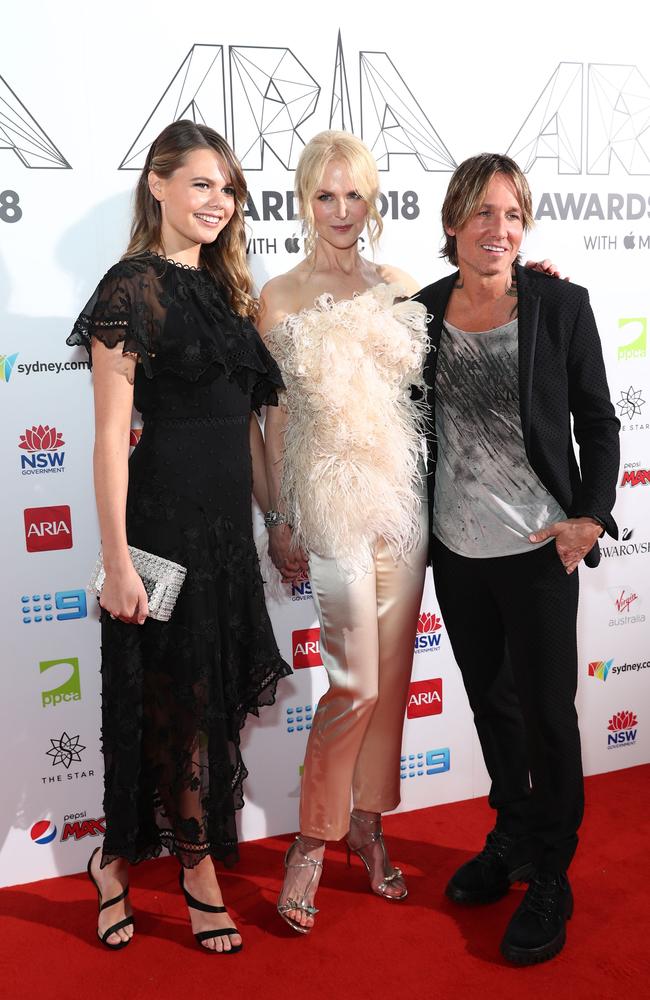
487 497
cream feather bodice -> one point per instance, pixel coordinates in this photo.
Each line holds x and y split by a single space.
352 448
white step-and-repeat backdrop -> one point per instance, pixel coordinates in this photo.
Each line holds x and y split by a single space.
83 92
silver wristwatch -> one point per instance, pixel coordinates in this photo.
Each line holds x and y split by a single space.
273 518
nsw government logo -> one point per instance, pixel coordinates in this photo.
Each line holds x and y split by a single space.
425 698
428 632
42 445
301 591
47 528
622 730
305 646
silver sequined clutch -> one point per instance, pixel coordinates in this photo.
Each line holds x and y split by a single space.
162 581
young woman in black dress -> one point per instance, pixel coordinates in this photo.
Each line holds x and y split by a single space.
169 330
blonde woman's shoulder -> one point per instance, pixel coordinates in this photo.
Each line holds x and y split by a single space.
279 297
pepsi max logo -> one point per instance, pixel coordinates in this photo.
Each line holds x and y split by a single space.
43 832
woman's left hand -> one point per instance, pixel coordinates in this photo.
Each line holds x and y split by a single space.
574 538
545 267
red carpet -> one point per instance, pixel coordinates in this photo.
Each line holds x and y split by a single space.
362 947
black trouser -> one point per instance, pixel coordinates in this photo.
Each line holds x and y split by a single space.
512 626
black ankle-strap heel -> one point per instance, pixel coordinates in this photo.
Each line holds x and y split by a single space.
196 904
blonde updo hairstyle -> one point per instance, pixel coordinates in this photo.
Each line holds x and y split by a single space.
323 149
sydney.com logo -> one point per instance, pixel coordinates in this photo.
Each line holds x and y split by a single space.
601 669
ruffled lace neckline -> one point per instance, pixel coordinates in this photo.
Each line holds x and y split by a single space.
176 263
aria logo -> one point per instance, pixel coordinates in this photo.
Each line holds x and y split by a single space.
48 528
600 669
419 765
305 646
425 698
42 445
24 136
622 730
428 632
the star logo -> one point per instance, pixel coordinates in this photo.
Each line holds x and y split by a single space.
65 750
630 403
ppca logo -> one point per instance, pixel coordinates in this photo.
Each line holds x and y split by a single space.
636 328
70 690
425 698
305 644
42 444
428 632
48 528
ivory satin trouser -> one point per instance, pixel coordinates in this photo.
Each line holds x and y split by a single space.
367 632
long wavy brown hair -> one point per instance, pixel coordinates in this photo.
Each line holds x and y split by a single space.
225 259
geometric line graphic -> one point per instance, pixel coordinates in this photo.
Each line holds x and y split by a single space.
20 132
392 121
618 117
340 110
631 403
196 91
553 129
65 750
272 95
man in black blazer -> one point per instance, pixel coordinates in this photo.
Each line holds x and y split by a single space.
515 355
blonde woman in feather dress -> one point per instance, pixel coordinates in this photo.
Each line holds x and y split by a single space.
348 505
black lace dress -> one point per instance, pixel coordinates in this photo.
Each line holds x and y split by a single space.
175 694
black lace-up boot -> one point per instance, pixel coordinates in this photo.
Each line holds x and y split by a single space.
488 876
537 930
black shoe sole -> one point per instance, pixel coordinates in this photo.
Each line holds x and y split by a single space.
467 897
478 897
533 956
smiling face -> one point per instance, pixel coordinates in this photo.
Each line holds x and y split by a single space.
196 201
488 243
340 213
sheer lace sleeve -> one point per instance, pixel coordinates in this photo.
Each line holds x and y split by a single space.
120 311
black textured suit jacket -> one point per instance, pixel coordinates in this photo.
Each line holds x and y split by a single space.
561 374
